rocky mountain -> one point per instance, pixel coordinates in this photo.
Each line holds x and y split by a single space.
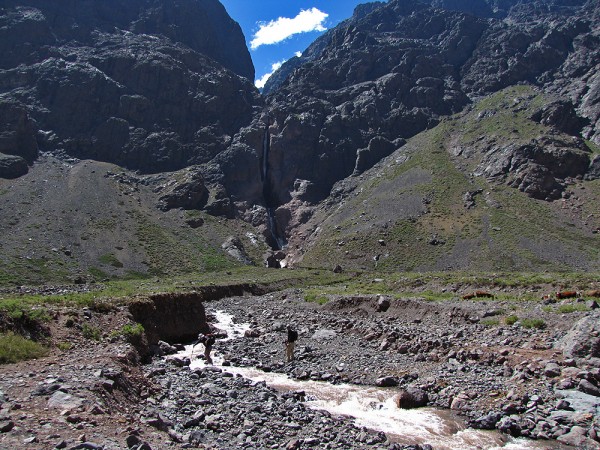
438 134
148 85
396 69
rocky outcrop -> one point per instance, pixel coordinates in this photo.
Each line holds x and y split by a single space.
12 166
394 69
186 191
537 168
381 77
149 86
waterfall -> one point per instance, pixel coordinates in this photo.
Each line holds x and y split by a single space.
265 155
277 241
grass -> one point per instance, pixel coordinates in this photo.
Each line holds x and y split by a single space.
111 260
511 320
169 253
505 229
316 285
132 333
490 322
15 348
570 308
91 332
314 298
26 270
64 346
533 323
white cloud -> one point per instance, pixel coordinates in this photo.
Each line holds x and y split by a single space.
279 30
260 83
298 54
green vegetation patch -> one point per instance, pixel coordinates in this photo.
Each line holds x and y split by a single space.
511 320
91 332
15 348
533 323
169 253
314 298
131 332
570 308
111 260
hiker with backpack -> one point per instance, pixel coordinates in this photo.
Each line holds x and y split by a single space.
292 337
208 339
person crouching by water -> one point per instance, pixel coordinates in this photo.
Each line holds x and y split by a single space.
292 337
209 341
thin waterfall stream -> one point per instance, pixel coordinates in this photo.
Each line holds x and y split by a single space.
370 407
278 241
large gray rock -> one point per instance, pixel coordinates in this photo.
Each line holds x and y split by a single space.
583 339
187 190
577 438
63 401
12 166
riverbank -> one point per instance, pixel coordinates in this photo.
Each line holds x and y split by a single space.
523 367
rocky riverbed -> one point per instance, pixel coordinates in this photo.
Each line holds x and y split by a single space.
540 382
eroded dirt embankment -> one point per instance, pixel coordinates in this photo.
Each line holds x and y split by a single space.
179 317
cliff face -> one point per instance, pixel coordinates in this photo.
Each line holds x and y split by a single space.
150 85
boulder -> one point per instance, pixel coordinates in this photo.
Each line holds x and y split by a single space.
12 166
411 397
583 339
63 401
383 304
589 388
187 192
235 248
388 381
577 437
460 402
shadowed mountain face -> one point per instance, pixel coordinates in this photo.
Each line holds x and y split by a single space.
458 98
150 85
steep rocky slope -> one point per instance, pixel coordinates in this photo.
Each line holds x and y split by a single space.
148 85
465 195
83 220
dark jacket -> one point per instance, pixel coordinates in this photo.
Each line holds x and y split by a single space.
292 335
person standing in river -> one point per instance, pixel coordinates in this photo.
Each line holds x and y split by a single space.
292 337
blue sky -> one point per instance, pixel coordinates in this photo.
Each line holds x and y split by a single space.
267 23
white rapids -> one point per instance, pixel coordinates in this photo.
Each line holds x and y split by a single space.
371 407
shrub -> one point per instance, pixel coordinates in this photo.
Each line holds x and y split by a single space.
533 323
64 346
90 332
490 322
14 348
314 298
568 308
131 333
511 320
